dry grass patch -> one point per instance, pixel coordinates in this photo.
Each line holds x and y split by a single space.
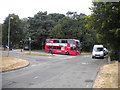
28 53
108 76
1 48
86 53
8 63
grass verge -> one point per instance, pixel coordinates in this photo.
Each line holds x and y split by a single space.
8 63
108 76
86 53
28 53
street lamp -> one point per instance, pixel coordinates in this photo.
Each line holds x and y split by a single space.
9 34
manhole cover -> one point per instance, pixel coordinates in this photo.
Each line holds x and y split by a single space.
31 83
88 80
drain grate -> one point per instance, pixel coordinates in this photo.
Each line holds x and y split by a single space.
31 83
88 80
12 82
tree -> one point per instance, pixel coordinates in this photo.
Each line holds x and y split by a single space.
56 32
74 28
105 21
72 15
56 17
39 28
26 35
16 32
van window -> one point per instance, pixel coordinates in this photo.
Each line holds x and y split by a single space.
99 49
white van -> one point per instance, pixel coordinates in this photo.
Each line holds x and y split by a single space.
98 51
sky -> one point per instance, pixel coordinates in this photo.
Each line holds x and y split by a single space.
28 8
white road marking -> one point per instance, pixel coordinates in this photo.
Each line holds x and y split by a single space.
87 86
57 55
35 77
84 63
33 65
87 56
68 57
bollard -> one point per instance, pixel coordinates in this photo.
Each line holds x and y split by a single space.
109 60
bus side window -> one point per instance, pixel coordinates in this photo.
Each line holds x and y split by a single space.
68 41
54 47
71 41
60 41
64 41
56 41
47 40
50 47
58 47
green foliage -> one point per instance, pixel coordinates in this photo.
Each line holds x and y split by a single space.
43 25
56 32
105 20
75 28
56 17
16 32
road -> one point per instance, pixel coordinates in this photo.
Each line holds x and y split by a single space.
58 71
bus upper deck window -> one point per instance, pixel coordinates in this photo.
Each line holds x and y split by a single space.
56 41
47 40
71 41
64 41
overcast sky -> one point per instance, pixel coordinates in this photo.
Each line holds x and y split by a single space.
27 8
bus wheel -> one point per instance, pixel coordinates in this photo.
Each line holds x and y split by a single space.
67 53
50 51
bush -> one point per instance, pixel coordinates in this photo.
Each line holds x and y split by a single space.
114 55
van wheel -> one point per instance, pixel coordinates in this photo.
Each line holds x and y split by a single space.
102 57
93 57
50 51
67 53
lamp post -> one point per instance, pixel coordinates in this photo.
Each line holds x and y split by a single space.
9 34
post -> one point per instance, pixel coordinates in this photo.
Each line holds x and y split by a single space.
8 36
29 44
21 45
109 60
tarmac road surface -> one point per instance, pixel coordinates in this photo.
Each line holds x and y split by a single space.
58 71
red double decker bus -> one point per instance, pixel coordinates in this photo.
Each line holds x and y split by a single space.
63 46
